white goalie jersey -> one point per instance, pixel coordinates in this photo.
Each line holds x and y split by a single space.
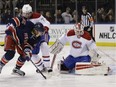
79 46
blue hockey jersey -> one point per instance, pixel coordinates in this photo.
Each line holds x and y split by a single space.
21 32
19 29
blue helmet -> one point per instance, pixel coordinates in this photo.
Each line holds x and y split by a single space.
39 27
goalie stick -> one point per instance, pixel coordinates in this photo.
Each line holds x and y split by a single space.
53 60
108 55
55 49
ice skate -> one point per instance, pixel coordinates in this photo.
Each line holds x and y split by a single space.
18 72
49 70
40 68
1 66
45 70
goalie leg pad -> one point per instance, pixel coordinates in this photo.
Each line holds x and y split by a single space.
83 68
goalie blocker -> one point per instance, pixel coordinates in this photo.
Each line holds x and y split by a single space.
82 68
56 47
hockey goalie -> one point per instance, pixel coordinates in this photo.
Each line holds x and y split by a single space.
79 60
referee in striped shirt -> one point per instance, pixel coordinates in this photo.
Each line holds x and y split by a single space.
87 21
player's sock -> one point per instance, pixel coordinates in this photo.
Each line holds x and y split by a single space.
40 67
46 61
6 58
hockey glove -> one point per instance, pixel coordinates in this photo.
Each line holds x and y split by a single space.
96 59
28 53
89 29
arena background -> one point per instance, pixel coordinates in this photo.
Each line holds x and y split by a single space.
104 32
103 12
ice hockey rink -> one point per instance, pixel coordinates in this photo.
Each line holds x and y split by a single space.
33 79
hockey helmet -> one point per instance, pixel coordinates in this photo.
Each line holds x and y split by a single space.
39 27
26 8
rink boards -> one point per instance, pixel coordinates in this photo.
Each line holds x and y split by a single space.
105 34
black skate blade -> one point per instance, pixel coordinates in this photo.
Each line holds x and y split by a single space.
17 74
49 71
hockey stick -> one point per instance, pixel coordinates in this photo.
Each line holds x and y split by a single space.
38 71
53 60
30 59
35 66
108 56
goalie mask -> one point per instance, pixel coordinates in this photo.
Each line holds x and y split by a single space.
78 28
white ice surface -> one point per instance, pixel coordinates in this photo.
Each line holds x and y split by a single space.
33 79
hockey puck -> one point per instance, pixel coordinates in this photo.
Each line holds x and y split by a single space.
105 74
37 71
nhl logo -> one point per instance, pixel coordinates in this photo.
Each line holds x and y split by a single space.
111 29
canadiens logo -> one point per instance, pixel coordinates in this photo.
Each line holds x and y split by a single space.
76 44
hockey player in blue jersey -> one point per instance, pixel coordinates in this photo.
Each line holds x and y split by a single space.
36 40
18 34
44 61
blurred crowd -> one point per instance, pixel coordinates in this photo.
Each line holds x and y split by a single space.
11 8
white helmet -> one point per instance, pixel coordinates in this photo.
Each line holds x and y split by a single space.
26 8
79 29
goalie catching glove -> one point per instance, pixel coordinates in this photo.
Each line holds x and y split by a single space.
56 47
96 59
